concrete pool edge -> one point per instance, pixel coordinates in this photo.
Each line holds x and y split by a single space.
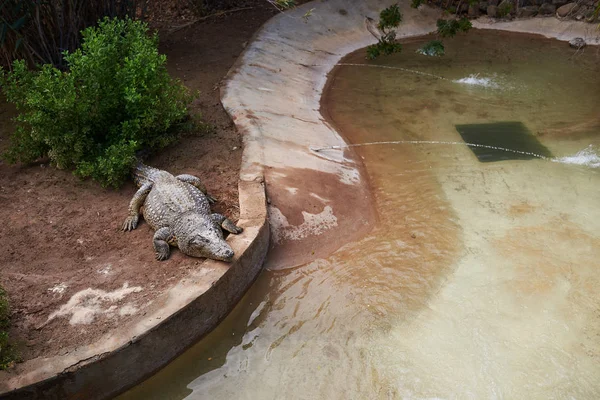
273 96
173 322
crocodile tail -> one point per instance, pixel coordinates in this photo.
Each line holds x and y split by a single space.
142 174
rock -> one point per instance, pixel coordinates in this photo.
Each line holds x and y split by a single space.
577 43
492 2
547 9
566 10
559 3
492 11
527 11
483 5
505 8
473 11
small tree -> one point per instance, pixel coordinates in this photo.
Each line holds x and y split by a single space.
445 28
114 99
389 19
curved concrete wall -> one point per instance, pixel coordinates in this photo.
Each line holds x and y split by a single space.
273 96
316 204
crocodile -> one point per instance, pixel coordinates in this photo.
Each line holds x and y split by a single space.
178 209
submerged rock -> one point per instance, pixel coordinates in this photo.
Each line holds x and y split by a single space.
577 43
567 9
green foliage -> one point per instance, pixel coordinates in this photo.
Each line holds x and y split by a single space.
115 99
385 48
416 3
8 353
389 18
434 48
450 27
446 28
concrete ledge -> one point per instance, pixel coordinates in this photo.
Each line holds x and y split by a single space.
173 322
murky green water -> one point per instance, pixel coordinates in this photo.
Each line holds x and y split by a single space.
481 280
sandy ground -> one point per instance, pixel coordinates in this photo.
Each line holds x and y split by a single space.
71 275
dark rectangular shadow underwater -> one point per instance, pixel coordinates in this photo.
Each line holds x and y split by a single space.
501 137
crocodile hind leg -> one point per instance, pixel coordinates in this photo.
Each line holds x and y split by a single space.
162 238
197 183
226 223
134 207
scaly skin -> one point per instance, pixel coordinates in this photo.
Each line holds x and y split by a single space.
178 209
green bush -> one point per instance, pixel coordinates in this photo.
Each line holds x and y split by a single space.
434 48
450 27
389 18
383 47
115 99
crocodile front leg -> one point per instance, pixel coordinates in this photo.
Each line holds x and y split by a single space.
226 223
197 183
134 207
162 238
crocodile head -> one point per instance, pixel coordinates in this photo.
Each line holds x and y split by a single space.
199 236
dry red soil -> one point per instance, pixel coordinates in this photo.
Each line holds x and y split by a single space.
62 235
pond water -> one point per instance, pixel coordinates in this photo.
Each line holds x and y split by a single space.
482 278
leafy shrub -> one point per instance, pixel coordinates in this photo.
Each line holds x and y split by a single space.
115 99
389 18
446 28
434 48
450 27
384 47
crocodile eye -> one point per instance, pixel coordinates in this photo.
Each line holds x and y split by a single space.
199 240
